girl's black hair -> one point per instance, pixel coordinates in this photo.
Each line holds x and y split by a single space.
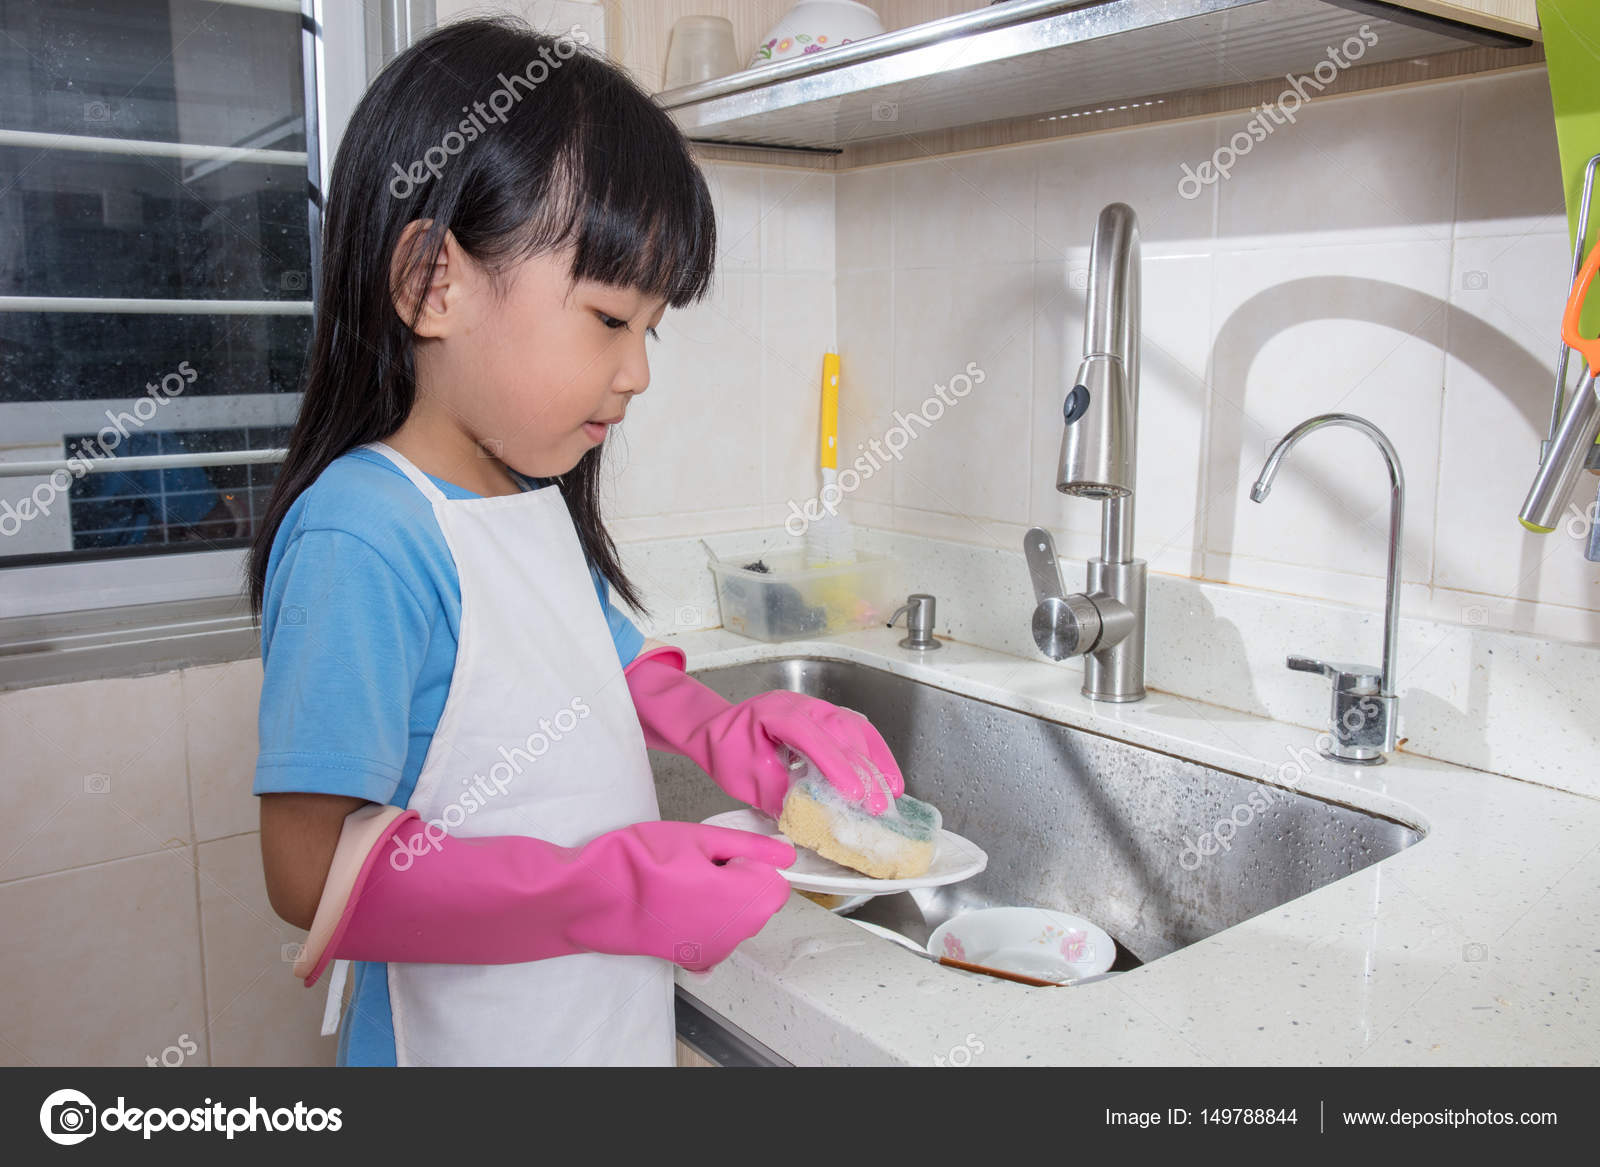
581 158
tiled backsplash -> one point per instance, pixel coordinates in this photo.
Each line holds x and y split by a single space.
1401 255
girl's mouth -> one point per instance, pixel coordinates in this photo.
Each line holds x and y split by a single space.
597 430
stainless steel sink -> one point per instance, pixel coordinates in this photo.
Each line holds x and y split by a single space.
1071 820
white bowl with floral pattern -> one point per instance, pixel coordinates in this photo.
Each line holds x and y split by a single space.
813 26
1036 942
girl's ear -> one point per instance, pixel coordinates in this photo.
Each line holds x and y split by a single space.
439 288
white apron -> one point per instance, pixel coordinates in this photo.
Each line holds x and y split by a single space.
538 737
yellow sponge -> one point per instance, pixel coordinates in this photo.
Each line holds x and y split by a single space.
899 844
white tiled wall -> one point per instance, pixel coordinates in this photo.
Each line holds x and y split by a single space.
1401 255
727 431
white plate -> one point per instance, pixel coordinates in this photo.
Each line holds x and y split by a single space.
887 934
1036 942
954 859
845 906
849 905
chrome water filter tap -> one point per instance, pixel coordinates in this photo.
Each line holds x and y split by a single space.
1364 722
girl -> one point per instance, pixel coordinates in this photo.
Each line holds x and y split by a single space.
454 787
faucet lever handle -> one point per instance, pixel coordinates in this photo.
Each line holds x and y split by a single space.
1305 664
1346 678
1040 549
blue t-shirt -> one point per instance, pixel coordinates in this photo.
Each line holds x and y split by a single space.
359 624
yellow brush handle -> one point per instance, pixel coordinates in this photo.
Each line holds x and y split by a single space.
830 411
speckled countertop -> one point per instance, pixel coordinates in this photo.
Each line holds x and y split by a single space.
1475 945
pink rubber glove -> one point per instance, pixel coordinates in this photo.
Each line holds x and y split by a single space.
400 890
738 745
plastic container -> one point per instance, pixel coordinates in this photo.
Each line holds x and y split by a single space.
793 602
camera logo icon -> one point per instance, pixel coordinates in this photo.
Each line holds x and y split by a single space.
686 953
67 1117
1475 281
292 281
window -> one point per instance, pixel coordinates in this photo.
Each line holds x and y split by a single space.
157 256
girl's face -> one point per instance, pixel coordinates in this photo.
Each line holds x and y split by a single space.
536 374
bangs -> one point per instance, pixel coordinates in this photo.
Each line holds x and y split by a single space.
627 196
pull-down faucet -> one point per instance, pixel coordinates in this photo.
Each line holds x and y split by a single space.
1105 624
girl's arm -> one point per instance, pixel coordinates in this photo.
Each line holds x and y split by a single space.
298 835
400 889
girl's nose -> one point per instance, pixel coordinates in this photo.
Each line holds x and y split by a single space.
634 374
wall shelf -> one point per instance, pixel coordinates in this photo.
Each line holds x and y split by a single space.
1050 58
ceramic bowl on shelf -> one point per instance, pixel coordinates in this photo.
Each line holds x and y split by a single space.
813 26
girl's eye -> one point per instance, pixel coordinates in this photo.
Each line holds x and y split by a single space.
613 323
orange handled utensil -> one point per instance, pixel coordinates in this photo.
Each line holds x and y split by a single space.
1580 420
1589 347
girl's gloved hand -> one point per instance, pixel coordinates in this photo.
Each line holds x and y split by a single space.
697 891
739 745
404 890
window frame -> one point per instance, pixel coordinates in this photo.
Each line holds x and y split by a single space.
41 604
